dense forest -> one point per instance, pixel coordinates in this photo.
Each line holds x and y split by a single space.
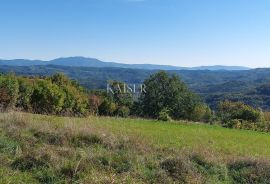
249 86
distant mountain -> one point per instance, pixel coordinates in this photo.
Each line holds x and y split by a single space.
92 62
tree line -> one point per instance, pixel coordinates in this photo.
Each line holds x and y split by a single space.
166 98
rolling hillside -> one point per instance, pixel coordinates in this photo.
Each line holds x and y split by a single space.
48 149
249 86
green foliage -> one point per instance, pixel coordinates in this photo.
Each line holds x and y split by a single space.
47 98
164 115
120 94
167 92
202 113
123 111
54 95
107 108
231 111
249 86
9 89
26 87
118 101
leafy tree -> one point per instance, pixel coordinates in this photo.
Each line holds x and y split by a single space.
201 112
76 100
117 101
119 94
26 87
167 92
9 89
47 98
107 108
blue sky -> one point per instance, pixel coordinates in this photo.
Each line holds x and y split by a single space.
175 32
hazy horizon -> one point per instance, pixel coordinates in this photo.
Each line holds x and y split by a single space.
185 33
120 62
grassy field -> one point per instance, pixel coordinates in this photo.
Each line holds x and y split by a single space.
48 149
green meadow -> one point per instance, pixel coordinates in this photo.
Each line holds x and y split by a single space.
50 149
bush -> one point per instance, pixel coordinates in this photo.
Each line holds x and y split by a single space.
123 111
25 92
229 111
107 108
164 115
58 95
201 112
9 89
55 95
47 98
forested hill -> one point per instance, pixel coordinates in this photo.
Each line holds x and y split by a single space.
93 62
249 86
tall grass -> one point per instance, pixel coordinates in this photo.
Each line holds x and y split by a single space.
50 149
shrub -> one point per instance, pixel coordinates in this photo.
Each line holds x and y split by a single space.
123 111
228 111
9 89
47 98
164 115
107 108
235 123
25 92
201 112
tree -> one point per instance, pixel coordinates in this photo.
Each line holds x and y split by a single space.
26 87
167 92
47 98
9 89
201 113
107 108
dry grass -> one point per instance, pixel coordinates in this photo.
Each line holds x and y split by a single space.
49 149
